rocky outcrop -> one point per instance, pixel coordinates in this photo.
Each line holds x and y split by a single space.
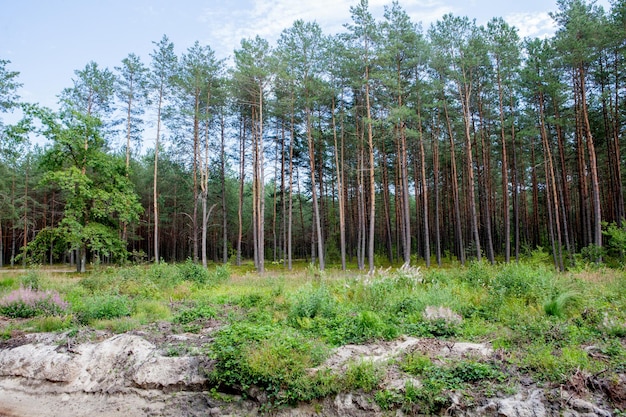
126 375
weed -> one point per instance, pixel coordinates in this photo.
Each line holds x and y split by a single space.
364 375
102 307
148 311
189 315
117 325
32 280
559 304
416 363
52 323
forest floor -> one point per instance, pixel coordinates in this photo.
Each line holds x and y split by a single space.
391 346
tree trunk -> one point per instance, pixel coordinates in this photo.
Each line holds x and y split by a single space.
458 233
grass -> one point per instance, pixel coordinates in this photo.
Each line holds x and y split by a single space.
276 328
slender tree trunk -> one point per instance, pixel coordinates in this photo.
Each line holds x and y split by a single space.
290 205
372 178
223 180
464 91
595 183
458 233
435 148
340 195
317 235
242 172
424 188
551 191
196 143
155 191
505 171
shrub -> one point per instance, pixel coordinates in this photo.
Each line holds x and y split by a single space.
559 304
191 271
103 307
31 280
528 283
189 315
364 375
26 303
220 274
309 303
270 357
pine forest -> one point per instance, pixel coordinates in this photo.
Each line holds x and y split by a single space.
388 143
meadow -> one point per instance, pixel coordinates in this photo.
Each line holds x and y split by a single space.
273 332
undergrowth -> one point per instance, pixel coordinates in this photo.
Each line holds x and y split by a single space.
276 331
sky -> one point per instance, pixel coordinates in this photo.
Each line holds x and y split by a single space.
47 40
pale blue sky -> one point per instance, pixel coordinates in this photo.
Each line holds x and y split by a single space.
47 40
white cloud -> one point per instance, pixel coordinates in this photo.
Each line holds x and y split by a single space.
538 25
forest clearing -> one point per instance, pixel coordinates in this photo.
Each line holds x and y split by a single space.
170 339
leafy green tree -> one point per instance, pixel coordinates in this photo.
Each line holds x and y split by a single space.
8 87
98 194
12 139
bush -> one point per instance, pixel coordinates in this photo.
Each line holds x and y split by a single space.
309 303
191 271
31 280
220 275
26 303
103 307
363 375
189 315
270 357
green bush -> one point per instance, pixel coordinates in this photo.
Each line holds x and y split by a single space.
311 302
220 275
189 315
521 281
31 280
270 357
101 307
193 272
364 375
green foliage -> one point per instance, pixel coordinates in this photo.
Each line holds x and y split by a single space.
362 375
271 357
220 275
149 311
52 323
415 363
559 304
615 242
31 280
188 316
551 364
102 307
522 281
191 271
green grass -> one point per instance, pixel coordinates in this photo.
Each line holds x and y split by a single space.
274 329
